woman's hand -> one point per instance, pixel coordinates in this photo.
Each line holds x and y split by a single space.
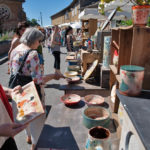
11 129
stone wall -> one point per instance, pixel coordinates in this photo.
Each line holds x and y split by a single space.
4 47
12 13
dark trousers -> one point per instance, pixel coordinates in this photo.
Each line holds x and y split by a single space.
56 55
9 145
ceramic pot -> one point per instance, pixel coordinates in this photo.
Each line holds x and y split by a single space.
98 139
96 116
106 53
94 100
140 14
131 80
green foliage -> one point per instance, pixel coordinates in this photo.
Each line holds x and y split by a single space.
33 22
148 24
5 37
141 2
125 23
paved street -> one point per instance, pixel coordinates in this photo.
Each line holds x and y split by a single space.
62 128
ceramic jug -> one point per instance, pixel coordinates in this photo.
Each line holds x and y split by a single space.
98 139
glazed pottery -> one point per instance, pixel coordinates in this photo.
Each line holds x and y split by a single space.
93 100
73 62
74 79
73 68
96 116
140 14
98 139
131 80
70 74
106 52
70 99
90 70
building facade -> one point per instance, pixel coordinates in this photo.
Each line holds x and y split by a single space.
11 12
70 13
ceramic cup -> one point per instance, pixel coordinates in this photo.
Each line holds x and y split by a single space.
98 139
131 80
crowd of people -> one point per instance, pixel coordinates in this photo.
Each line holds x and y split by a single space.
30 40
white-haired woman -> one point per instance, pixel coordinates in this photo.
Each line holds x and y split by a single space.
30 40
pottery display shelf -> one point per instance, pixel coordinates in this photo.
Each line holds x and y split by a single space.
83 89
131 51
134 114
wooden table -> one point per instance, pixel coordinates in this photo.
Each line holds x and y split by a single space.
83 89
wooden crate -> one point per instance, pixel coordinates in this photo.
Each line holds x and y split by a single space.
133 44
88 58
90 28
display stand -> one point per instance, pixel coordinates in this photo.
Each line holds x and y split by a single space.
133 46
89 28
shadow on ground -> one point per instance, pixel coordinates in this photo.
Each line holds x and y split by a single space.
57 138
53 86
48 108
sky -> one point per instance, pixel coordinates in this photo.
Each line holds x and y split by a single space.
46 7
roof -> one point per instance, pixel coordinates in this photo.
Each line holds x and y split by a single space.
64 10
17 0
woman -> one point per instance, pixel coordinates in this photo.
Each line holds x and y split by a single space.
55 48
69 39
8 129
18 33
30 41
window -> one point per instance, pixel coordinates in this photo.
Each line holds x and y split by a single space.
76 10
66 15
73 12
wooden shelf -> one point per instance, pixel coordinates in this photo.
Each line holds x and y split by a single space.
91 27
113 69
132 44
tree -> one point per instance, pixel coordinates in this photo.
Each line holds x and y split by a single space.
33 22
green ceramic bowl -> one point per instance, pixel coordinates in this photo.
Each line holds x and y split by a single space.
96 116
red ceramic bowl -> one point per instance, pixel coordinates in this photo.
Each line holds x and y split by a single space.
70 99
94 100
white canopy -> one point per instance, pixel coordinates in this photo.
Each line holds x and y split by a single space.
76 25
64 24
91 13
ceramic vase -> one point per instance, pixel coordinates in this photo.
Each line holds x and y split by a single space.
131 80
106 52
140 14
98 139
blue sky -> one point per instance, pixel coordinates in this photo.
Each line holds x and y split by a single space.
46 7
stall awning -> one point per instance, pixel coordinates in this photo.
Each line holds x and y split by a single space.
91 13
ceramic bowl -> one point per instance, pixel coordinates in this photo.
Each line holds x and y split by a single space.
96 116
69 74
73 68
73 62
72 80
93 100
70 99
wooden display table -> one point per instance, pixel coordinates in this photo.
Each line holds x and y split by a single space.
83 89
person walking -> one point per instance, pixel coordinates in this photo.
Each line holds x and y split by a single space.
69 38
30 41
55 48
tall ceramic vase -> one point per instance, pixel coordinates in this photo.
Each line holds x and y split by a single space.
106 52
140 14
98 139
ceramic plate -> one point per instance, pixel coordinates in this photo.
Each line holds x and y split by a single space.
70 74
90 70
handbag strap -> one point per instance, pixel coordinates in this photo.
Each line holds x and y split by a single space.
22 64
